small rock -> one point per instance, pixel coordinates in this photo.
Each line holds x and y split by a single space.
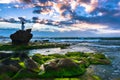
4 55
6 68
31 65
50 66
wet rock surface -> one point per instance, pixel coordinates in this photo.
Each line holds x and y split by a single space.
20 65
31 65
57 64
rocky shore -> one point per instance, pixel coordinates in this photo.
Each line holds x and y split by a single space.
20 66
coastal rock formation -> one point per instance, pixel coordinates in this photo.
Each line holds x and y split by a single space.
21 37
58 64
19 66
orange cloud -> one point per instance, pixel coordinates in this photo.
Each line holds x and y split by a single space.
89 7
59 6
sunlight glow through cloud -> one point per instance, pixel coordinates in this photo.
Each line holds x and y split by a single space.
6 1
81 27
95 28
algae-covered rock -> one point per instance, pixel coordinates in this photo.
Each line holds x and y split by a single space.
12 68
38 58
24 74
62 68
31 65
66 63
11 64
4 77
41 58
50 66
72 64
99 59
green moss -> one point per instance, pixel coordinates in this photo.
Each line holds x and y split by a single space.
96 77
15 58
24 74
4 77
74 54
80 58
22 64
67 79
28 47
99 56
57 55
83 61
38 58
64 72
99 59
89 76
41 58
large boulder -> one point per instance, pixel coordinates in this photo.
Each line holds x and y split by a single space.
66 63
21 37
60 63
11 63
62 68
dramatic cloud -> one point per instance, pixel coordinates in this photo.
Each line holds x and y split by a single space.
67 8
94 16
63 8
89 5
14 1
83 27
27 1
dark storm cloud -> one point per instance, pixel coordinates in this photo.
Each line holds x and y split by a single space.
26 1
64 6
84 1
44 1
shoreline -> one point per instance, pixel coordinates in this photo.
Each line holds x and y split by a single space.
108 49
71 64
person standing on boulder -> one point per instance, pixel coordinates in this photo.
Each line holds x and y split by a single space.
23 26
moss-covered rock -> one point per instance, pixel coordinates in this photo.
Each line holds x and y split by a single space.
71 64
32 46
41 58
31 65
5 77
62 68
23 73
74 54
83 61
98 59
57 55
90 77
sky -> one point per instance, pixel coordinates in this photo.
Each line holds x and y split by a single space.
72 18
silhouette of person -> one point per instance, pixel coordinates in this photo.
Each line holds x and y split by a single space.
23 26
